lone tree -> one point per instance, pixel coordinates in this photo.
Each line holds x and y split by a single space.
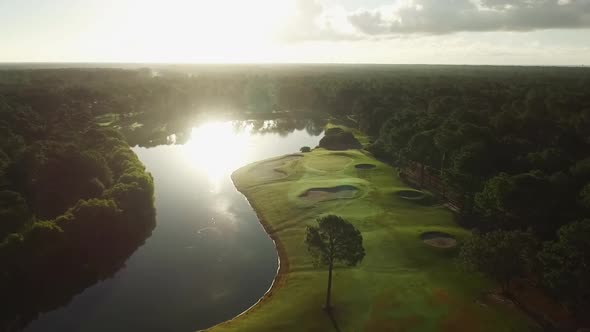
334 240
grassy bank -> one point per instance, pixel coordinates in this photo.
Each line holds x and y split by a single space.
402 285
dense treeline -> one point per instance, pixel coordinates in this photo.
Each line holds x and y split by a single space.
516 152
75 202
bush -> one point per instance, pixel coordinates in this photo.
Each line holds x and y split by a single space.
333 131
341 141
378 150
305 149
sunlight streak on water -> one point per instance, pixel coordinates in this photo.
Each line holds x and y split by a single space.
218 148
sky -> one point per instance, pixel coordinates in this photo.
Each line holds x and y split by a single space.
503 32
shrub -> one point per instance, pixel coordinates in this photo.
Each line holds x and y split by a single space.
341 141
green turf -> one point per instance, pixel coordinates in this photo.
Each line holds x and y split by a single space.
401 285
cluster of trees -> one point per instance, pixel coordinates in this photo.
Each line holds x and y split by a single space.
338 139
561 263
75 202
515 148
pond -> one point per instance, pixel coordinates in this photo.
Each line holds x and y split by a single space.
209 258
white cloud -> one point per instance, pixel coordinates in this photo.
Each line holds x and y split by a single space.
313 21
447 16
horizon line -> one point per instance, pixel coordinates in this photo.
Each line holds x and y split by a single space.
140 63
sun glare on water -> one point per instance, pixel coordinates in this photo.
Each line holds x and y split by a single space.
217 149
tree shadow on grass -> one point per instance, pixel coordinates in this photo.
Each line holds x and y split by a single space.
333 320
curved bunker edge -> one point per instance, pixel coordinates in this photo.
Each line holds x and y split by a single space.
345 191
365 166
438 239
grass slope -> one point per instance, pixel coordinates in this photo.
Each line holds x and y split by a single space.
402 284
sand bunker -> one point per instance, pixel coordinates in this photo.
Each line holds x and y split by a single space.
438 239
364 166
416 196
325 194
267 171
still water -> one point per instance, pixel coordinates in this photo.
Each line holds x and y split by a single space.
208 258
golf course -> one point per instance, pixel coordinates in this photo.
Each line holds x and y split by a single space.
409 279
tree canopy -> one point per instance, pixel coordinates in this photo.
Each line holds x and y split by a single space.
502 255
67 188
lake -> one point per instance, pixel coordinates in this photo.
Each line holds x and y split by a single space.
208 259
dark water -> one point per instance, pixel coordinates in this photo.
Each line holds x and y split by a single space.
208 259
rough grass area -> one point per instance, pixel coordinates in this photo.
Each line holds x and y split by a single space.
402 284
410 194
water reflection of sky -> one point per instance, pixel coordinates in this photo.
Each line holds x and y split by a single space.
208 258
218 148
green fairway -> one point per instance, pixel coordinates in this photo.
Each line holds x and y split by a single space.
402 284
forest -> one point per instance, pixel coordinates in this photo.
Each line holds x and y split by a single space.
75 202
508 147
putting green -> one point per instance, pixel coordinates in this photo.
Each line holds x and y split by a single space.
401 285
330 163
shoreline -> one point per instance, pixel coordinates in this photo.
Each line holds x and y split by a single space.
280 277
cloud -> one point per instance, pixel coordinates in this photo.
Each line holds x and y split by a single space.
448 16
311 20
370 23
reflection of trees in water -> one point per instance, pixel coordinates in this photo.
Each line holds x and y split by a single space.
285 126
53 278
154 134
68 276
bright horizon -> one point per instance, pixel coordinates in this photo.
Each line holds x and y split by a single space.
467 32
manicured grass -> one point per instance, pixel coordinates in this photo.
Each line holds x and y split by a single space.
401 285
